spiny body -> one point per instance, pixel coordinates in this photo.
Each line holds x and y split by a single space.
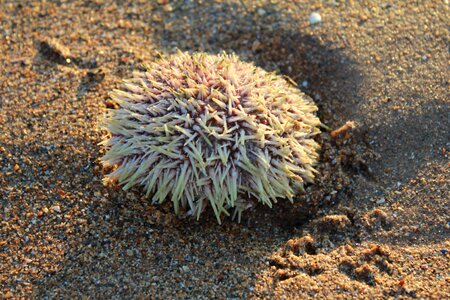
204 129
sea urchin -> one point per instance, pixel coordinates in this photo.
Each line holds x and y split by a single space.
204 129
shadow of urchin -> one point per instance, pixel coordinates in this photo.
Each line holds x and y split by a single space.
210 130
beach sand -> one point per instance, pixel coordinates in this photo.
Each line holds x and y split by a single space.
375 225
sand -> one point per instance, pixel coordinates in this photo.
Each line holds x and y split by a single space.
378 220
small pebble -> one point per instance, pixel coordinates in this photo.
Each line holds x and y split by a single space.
261 12
315 18
168 8
256 45
185 269
56 208
381 201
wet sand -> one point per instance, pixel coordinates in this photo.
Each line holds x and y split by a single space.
376 223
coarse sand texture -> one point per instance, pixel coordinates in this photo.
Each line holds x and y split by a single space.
210 130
